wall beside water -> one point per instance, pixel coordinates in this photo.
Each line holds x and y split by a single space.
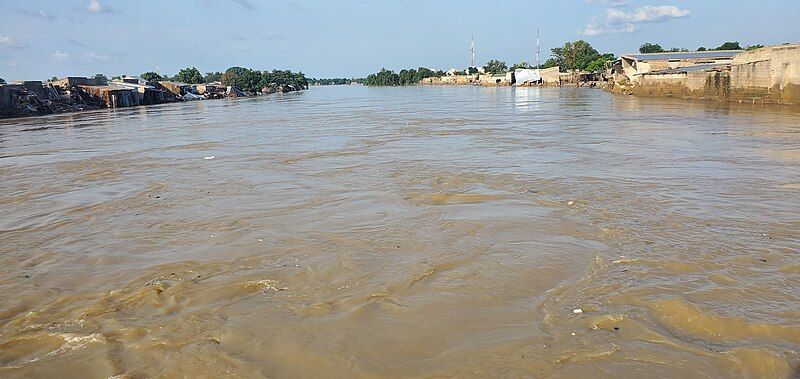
769 75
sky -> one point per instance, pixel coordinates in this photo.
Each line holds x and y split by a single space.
350 38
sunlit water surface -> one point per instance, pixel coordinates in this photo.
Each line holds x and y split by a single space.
425 231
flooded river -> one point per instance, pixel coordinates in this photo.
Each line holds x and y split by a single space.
403 232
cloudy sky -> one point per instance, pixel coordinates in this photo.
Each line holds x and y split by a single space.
45 38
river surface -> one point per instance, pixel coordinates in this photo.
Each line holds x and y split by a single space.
403 232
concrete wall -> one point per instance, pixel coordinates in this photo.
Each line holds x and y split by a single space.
450 80
767 75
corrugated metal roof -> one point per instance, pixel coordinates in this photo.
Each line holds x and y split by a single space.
684 55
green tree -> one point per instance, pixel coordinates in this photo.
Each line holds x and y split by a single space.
151 76
649 48
101 79
213 77
701 48
495 67
2 81
729 46
753 47
523 64
383 78
424 72
599 64
407 77
550 63
472 70
574 56
190 75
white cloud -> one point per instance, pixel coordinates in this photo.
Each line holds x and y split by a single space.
90 56
593 29
95 7
618 20
60 56
8 42
648 13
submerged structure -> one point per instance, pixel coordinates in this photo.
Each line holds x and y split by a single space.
75 93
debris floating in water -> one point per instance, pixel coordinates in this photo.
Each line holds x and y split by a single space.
571 202
577 311
208 158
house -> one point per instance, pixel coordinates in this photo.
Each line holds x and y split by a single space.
111 95
148 93
177 88
632 65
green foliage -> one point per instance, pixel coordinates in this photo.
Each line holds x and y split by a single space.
701 48
495 67
101 79
753 47
334 81
574 56
406 77
599 64
523 64
151 76
383 78
729 46
550 63
283 77
649 48
190 75
472 70
254 81
213 77
53 79
2 81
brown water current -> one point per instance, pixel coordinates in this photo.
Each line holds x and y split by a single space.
403 232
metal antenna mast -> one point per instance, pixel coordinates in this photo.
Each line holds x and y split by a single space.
538 50
472 50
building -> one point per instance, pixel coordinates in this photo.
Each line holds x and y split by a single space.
148 92
766 75
632 65
111 95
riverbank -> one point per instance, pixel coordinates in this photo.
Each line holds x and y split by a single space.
75 94
768 75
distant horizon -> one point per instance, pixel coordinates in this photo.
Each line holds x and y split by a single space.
40 39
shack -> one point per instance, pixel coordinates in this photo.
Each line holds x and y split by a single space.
177 88
148 93
110 95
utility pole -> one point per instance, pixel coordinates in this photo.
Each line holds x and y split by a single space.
472 50
538 51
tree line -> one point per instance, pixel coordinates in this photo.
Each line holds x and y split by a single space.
335 81
405 77
649 48
249 80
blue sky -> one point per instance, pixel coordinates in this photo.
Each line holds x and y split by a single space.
44 38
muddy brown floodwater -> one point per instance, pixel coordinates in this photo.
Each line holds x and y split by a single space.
403 232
